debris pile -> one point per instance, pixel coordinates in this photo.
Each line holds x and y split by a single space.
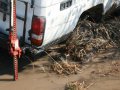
65 67
78 85
90 38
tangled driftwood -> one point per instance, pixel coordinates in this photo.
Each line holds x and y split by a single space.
90 38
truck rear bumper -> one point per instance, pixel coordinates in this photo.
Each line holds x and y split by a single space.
26 48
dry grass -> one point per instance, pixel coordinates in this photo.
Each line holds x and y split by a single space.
77 85
65 67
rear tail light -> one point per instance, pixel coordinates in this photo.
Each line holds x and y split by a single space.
37 30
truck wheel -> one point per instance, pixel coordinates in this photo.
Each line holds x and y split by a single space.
91 16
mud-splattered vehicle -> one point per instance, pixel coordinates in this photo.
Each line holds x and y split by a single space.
41 23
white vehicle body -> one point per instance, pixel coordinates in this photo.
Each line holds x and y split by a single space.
59 21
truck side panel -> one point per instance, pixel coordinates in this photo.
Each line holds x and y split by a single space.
59 23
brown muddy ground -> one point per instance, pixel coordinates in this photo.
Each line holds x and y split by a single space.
103 72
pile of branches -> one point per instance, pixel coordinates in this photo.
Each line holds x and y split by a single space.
78 85
65 67
90 38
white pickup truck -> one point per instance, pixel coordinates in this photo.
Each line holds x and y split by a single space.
44 22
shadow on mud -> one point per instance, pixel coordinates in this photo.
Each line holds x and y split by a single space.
6 64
